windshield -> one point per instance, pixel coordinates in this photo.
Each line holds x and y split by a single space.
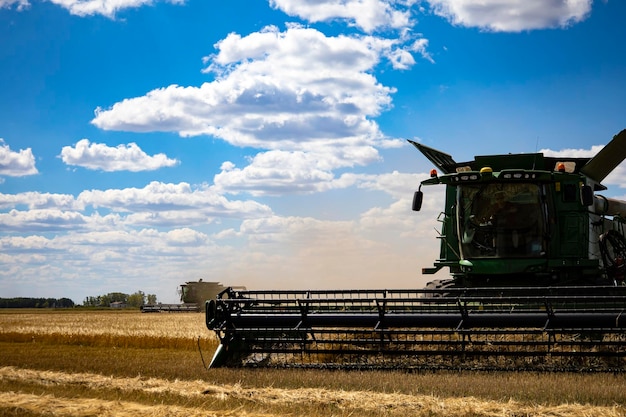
501 220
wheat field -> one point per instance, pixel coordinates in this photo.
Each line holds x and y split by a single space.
124 363
123 323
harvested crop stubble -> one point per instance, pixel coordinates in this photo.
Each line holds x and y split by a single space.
348 401
49 405
179 325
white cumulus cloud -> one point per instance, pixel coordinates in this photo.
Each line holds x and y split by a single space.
306 98
41 220
369 15
99 156
106 8
279 92
156 205
512 15
19 4
274 172
16 164
273 90
38 200
162 197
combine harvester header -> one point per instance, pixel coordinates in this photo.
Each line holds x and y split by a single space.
537 281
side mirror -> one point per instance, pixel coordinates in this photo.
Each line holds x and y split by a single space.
586 195
418 197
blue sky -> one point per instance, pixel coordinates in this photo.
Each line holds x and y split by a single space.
263 143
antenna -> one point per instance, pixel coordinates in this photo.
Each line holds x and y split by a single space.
536 150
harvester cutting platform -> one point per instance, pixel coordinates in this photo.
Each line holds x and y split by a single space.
537 265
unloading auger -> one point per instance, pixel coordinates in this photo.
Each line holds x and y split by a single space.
537 265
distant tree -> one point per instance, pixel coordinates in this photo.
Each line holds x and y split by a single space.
90 301
112 297
65 303
24 302
137 299
117 297
104 300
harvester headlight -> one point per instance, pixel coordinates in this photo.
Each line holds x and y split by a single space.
468 177
518 175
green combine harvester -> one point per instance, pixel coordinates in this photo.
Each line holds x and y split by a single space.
193 295
537 282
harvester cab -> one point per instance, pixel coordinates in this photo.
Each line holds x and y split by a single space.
529 219
537 282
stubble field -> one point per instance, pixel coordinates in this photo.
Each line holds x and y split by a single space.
121 363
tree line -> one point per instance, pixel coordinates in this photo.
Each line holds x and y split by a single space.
25 302
136 299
